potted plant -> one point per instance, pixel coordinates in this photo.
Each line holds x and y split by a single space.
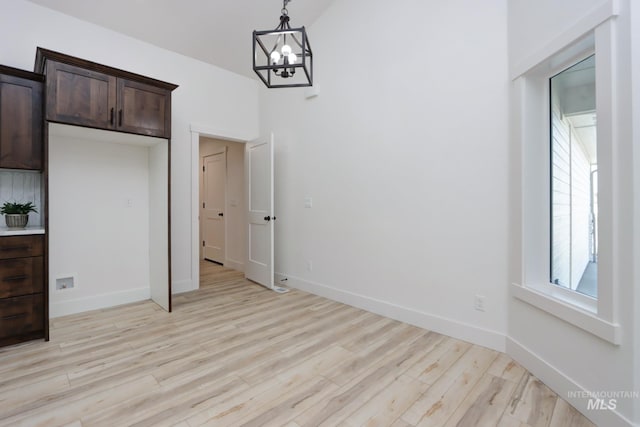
16 215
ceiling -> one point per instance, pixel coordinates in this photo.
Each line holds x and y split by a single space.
213 31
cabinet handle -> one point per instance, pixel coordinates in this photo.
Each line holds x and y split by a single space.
120 117
14 278
15 248
17 316
111 119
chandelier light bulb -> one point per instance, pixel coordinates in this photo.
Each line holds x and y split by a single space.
275 56
286 50
292 58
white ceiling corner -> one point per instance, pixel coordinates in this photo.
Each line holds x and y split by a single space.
214 31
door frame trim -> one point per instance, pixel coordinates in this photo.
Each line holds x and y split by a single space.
198 130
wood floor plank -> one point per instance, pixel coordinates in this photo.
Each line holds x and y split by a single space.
388 405
14 397
368 383
534 403
391 341
53 414
234 353
485 404
167 406
440 360
439 402
347 399
284 407
321 364
506 368
566 415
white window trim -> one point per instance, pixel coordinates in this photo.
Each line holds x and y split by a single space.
595 33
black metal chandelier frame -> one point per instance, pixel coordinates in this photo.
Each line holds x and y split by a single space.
276 74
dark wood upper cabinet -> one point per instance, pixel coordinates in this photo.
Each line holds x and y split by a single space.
79 96
143 108
88 94
21 138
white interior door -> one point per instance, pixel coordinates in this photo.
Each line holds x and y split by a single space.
213 206
259 191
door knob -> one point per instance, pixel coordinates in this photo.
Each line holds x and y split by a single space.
267 218
220 214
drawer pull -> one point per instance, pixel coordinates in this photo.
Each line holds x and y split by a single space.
16 316
16 248
15 278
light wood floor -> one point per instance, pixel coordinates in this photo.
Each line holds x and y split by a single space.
233 353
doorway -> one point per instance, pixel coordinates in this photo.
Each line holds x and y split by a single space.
222 215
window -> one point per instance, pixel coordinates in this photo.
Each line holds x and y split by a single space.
567 230
574 179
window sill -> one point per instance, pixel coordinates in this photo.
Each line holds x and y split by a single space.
574 315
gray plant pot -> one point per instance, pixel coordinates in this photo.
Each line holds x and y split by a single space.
16 220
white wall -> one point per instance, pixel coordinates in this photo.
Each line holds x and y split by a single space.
566 357
404 155
235 208
207 95
98 223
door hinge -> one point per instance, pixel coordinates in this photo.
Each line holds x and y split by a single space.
202 168
202 205
203 243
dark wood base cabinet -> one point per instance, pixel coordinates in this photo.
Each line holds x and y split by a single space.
23 311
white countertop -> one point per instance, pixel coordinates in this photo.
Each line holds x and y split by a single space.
32 229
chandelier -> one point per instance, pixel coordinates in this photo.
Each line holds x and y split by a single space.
282 57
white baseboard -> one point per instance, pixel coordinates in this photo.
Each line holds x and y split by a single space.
181 286
442 325
80 305
234 265
562 385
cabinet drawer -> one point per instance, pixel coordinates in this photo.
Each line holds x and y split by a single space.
21 246
21 315
21 276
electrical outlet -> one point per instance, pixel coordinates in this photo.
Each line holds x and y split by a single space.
308 202
478 303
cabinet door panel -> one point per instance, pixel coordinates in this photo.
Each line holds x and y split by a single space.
79 96
20 123
144 109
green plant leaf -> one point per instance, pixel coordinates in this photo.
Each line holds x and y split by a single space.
13 208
